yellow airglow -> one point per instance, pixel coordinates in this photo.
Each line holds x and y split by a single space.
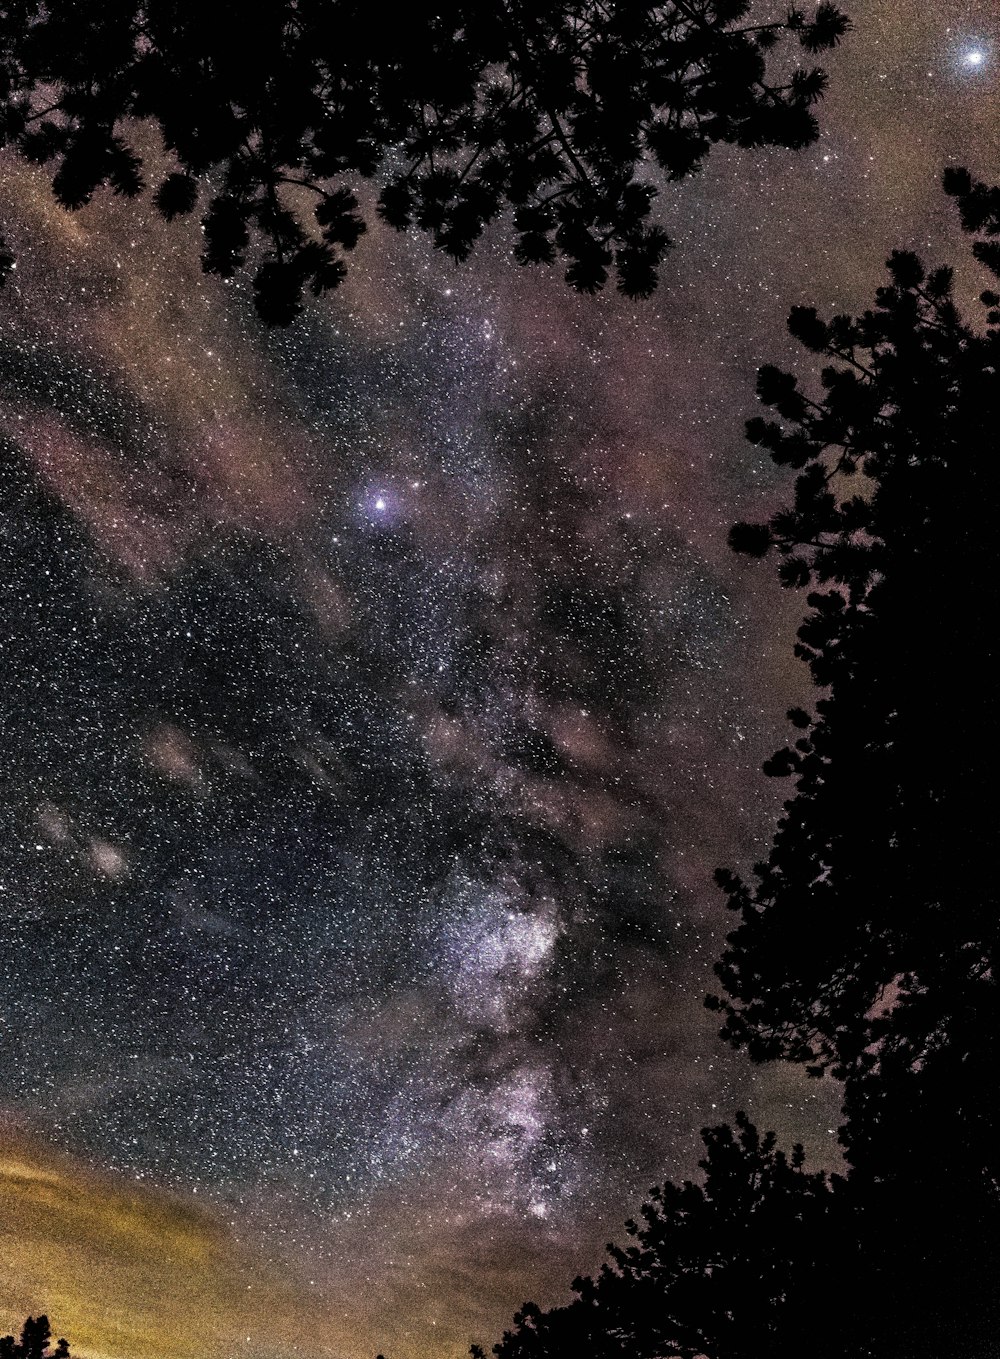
132 1273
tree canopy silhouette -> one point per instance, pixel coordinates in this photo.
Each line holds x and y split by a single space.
458 112
868 940
979 205
34 1342
730 1268
888 836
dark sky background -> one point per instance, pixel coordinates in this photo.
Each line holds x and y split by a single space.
378 698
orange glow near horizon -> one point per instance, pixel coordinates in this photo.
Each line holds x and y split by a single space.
131 1273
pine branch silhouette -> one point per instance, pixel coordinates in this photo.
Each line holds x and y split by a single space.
867 940
544 113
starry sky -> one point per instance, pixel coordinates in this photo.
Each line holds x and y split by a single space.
379 695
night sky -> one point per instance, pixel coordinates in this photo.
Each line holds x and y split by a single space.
379 695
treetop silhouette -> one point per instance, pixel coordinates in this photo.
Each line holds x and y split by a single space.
868 939
883 841
551 112
867 943
729 1268
34 1342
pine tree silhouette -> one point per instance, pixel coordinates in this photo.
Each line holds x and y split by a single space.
34 1343
730 1268
459 112
979 205
868 940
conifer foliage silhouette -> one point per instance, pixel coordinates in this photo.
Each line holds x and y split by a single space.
867 943
34 1342
456 111
979 205
728 1268
887 845
888 838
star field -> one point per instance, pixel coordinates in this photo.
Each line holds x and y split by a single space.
379 696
